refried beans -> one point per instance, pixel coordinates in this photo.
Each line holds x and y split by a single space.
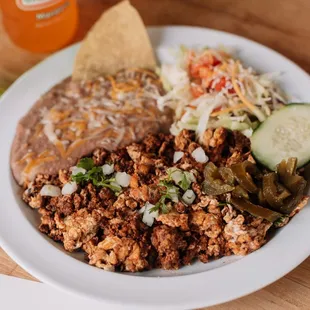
74 118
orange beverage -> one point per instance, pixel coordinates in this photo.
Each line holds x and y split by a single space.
40 26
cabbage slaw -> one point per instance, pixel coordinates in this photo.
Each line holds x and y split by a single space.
210 88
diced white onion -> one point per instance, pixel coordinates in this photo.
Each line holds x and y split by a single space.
190 176
189 197
107 169
141 210
177 176
69 188
248 132
177 156
148 217
122 178
200 155
173 194
75 170
50 190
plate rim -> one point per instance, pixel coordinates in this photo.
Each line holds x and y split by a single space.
189 304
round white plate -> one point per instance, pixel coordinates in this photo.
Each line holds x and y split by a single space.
191 287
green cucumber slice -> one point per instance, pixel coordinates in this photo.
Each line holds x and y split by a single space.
286 133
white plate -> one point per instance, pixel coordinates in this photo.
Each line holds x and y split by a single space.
191 287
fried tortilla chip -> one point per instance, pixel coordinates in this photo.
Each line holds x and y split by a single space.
118 40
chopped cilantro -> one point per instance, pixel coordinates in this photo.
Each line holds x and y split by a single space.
171 192
176 179
181 178
95 175
185 183
166 183
79 177
86 163
161 205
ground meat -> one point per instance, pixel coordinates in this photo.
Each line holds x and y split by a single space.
168 242
51 224
224 147
64 176
206 223
63 204
32 197
197 248
121 160
184 139
174 220
113 252
214 140
140 194
109 227
204 200
99 156
47 221
244 238
127 226
79 228
36 201
152 143
107 195
216 247
135 151
239 148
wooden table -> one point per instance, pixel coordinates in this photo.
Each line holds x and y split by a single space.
280 24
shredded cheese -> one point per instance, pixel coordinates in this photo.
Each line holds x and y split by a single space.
246 102
230 109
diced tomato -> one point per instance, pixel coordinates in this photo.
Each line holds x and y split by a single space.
217 109
204 72
196 90
206 83
210 60
216 61
220 84
206 60
194 70
230 90
196 81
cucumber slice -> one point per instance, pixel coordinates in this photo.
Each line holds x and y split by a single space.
286 133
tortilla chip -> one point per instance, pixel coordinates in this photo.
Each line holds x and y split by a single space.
118 40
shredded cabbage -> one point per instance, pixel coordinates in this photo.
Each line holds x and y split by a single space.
210 88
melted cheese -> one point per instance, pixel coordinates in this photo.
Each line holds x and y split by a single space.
33 162
74 146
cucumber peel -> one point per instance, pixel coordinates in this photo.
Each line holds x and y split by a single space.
285 134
